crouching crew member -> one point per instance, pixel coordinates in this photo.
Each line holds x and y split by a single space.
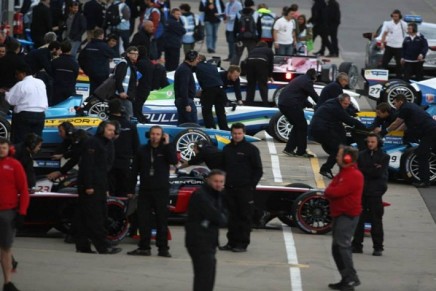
373 163
205 216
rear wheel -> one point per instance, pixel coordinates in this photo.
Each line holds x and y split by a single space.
186 139
311 213
117 223
279 127
287 218
411 167
328 73
400 88
99 110
5 128
277 94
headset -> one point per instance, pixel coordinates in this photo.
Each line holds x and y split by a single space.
147 134
68 127
11 152
396 11
32 140
379 139
347 157
103 124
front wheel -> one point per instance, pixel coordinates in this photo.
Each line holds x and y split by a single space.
311 212
5 128
279 127
186 139
277 94
411 167
400 88
117 223
99 110
287 217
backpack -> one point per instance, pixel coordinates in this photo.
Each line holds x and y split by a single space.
198 30
113 17
247 27
266 23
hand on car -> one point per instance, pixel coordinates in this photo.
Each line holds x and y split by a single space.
54 175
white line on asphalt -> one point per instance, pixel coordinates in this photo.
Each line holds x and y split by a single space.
291 251
296 283
275 164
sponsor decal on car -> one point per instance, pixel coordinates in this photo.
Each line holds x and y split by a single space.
76 121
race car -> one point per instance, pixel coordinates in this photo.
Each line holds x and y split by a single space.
296 205
374 53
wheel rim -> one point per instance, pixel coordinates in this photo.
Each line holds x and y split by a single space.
99 110
313 214
3 130
414 167
277 94
353 77
400 90
185 144
283 127
117 224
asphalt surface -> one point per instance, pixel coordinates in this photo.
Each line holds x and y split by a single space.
279 258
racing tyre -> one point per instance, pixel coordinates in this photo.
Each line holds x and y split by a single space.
411 168
400 88
277 94
287 218
117 223
328 73
5 128
311 213
352 72
189 124
186 139
279 127
99 110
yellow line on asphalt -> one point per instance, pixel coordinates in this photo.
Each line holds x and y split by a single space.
319 181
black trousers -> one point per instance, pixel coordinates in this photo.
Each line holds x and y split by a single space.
24 123
330 143
156 201
372 212
325 42
257 74
204 263
413 69
240 205
423 153
172 58
298 135
214 96
119 181
390 53
91 220
343 229
333 34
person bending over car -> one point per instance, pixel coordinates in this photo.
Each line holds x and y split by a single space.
205 216
230 78
205 153
14 202
333 90
420 125
152 164
373 162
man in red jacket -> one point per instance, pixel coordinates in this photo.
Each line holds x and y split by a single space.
345 195
14 201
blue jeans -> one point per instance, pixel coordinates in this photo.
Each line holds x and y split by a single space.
128 107
285 50
230 38
183 115
75 45
211 34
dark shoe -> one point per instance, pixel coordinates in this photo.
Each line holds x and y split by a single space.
326 173
112 243
10 287
421 184
344 285
110 251
226 60
139 252
377 253
239 250
357 250
291 154
332 55
305 155
85 251
319 54
211 51
226 247
165 254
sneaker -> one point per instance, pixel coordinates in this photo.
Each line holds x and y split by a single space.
377 253
226 247
305 155
111 251
291 154
239 250
165 254
326 173
139 252
10 287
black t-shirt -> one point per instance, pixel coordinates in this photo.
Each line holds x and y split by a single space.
418 121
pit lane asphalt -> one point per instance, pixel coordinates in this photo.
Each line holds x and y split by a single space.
407 264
